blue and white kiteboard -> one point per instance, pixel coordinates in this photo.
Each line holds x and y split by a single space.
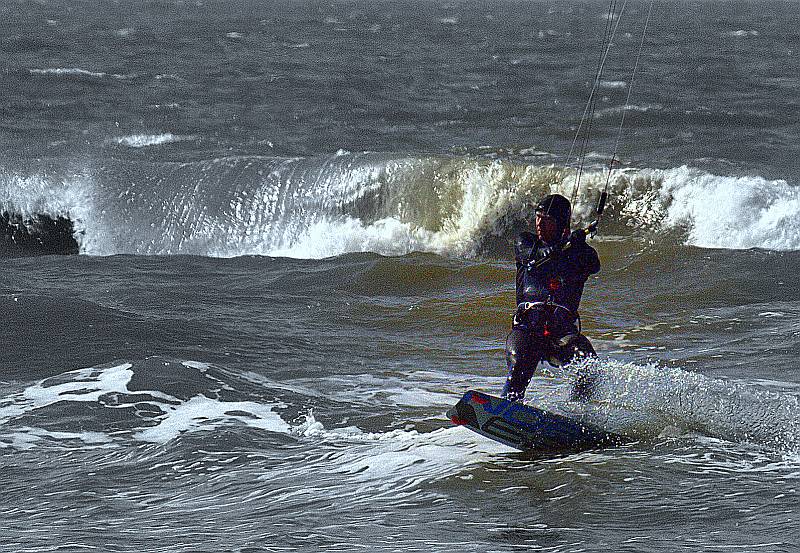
525 427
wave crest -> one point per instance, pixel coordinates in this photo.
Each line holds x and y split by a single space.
43 214
451 205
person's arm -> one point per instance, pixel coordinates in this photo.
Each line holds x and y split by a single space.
587 257
523 248
592 261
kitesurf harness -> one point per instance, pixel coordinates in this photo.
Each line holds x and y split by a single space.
548 308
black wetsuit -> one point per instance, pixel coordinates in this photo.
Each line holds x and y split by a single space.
546 333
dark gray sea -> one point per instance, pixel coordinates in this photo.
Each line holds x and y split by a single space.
253 250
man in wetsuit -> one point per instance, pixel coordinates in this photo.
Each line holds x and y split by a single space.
550 279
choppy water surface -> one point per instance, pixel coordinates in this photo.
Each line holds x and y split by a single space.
294 222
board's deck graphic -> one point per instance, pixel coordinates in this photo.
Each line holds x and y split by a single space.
525 427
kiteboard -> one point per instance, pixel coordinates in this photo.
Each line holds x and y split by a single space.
525 427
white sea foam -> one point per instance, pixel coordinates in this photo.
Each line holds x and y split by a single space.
485 193
613 84
68 71
146 140
418 397
715 211
743 33
732 212
98 385
85 385
330 238
29 438
76 72
616 110
203 413
545 33
396 462
440 205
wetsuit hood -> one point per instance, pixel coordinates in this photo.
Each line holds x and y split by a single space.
557 207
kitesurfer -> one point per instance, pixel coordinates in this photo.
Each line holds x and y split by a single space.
552 267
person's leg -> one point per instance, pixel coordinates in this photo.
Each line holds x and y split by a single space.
582 347
522 357
570 347
579 347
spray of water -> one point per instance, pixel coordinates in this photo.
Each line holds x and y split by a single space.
641 401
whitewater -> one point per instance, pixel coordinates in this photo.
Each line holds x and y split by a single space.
322 207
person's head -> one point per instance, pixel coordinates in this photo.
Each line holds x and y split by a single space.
553 214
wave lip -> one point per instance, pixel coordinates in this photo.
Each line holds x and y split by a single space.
43 214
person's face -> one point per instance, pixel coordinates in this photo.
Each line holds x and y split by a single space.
546 228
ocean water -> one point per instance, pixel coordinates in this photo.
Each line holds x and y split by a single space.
253 250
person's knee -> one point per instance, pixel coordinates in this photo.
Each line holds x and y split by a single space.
568 348
512 353
522 357
583 347
516 347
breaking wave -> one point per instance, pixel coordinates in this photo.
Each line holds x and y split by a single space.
326 206
43 215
